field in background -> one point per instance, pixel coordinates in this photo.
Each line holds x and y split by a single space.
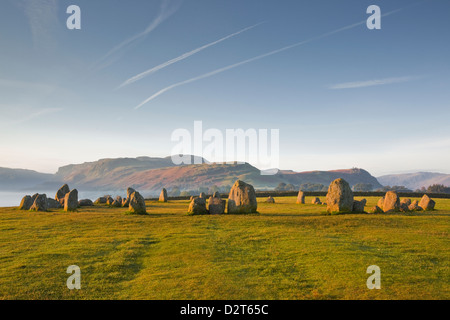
288 251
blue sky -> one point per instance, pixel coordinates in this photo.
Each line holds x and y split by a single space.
376 99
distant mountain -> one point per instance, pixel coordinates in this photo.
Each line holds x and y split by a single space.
415 180
20 179
151 174
352 176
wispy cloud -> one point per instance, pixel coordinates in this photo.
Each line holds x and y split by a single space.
183 56
38 114
167 8
42 88
209 74
371 83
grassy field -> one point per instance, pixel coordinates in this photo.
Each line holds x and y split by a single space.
288 251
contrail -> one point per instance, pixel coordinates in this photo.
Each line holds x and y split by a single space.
165 12
183 56
212 73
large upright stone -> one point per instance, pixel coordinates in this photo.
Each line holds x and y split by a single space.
407 202
216 205
202 195
61 194
414 206
358 206
53 204
301 197
109 200
242 198
391 202
85 203
270 199
26 203
163 195
40 204
71 201
130 192
101 200
339 197
125 202
197 206
316 200
380 202
137 203
426 203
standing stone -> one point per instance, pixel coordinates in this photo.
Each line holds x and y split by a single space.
40 204
404 207
358 206
101 200
125 202
109 200
391 202
426 203
216 205
26 203
116 203
301 197
191 198
202 195
130 191
316 201
242 198
339 197
137 203
270 199
406 201
163 195
414 206
197 206
380 203
53 204
376 209
216 194
71 201
61 194
85 203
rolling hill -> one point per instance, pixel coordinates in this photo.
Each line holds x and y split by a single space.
18 179
151 174
415 180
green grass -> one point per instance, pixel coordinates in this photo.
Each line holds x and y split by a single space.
288 251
